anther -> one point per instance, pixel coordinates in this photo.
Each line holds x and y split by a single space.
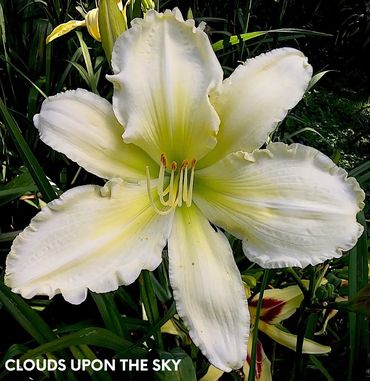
164 160
184 164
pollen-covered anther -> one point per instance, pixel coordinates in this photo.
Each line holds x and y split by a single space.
179 189
164 160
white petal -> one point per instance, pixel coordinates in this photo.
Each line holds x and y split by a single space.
291 204
208 289
82 125
164 70
93 238
256 97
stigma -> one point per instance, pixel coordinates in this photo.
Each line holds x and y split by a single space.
174 186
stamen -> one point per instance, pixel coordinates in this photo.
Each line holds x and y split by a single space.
172 194
191 184
160 185
178 201
164 160
179 189
148 187
185 191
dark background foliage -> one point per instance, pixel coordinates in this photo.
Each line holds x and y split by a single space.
334 117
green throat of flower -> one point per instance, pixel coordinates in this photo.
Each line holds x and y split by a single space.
179 191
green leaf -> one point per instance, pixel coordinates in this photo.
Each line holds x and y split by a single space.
157 326
111 25
150 303
99 337
185 370
316 78
304 129
84 352
237 39
135 9
358 324
3 34
25 315
233 40
110 314
23 75
127 299
361 172
86 54
360 303
17 187
26 154
162 293
61 81
82 71
30 320
315 361
252 367
89 67
9 236
13 351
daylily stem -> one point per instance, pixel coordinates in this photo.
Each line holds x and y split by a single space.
252 365
298 368
298 280
302 325
150 304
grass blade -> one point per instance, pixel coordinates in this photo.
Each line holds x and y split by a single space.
25 315
84 352
26 154
96 336
110 314
252 364
237 39
24 76
315 361
150 303
358 324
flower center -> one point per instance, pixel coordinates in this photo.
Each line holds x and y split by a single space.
180 187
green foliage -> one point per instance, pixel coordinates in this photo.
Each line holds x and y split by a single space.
332 117
341 121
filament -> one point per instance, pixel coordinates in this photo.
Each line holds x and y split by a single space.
191 185
179 189
148 187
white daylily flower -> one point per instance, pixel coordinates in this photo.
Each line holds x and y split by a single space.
291 205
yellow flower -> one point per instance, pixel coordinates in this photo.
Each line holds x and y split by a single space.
277 305
91 22
173 114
